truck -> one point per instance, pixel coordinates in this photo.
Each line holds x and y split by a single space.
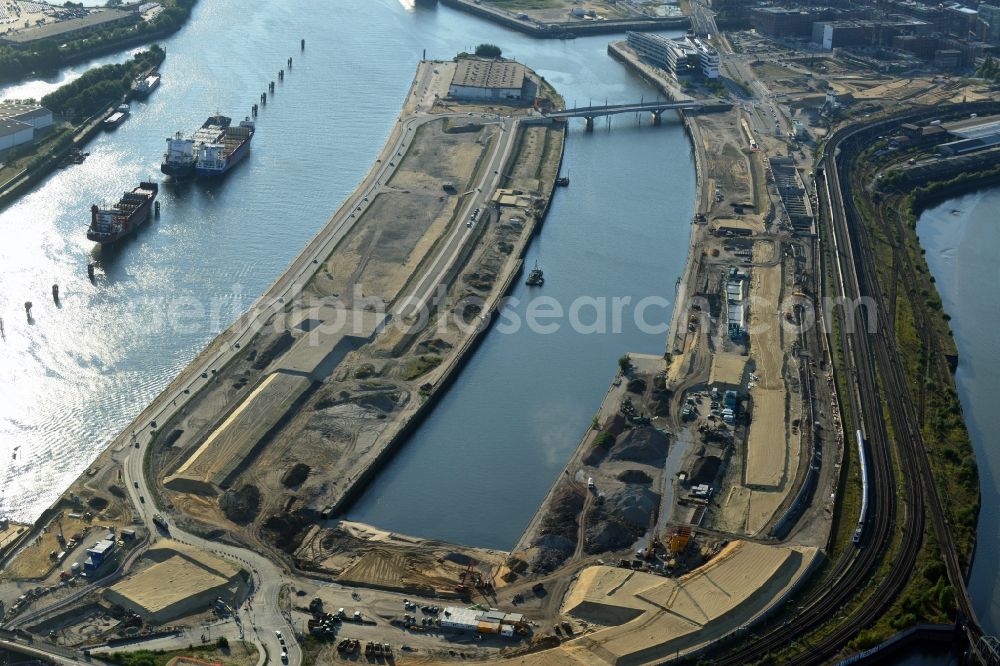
161 522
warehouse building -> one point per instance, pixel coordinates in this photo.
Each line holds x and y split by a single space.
30 114
484 79
14 133
80 26
20 122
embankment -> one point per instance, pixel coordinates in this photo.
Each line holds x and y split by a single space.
565 29
671 90
453 366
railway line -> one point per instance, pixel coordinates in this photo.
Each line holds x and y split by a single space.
869 355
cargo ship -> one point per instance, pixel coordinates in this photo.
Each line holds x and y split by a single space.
108 225
118 117
182 153
218 157
211 151
144 85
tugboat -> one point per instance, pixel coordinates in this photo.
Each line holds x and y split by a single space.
535 277
562 181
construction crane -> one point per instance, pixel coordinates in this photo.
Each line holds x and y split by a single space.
469 578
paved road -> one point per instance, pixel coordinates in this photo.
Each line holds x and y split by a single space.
462 234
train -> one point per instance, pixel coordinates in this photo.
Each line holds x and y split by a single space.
863 516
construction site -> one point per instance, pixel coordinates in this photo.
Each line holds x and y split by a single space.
700 499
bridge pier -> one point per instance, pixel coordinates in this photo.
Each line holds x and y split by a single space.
589 126
656 117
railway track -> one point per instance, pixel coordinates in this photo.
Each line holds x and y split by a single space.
868 356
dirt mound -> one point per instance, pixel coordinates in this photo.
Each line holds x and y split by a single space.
635 476
241 506
705 469
287 530
645 445
556 538
275 349
605 535
637 386
384 402
632 505
296 476
97 503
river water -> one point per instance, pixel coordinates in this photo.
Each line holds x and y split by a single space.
961 237
76 376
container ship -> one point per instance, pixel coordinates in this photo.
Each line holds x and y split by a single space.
218 157
211 151
108 225
182 153
144 85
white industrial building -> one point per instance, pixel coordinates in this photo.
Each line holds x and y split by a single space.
19 122
475 621
480 78
680 57
14 133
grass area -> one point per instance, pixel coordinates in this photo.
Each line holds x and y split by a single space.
237 653
419 365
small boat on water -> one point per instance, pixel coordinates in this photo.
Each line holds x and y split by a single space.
535 278
118 117
562 181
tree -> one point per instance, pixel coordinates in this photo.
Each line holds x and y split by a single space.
222 643
624 363
488 51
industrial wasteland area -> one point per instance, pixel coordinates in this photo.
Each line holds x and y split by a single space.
790 480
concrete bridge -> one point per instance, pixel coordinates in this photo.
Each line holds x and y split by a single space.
656 108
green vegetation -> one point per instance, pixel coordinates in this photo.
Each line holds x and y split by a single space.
47 55
420 365
989 69
604 439
238 654
488 51
101 87
624 363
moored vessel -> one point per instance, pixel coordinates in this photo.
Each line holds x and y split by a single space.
218 157
535 278
118 117
108 225
144 85
182 153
